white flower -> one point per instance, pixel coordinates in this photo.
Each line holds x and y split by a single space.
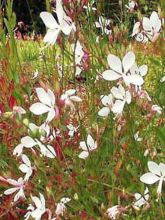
113 212
136 71
132 5
136 136
162 79
104 25
25 167
18 185
63 24
78 53
46 104
28 142
157 109
149 30
121 97
90 6
69 97
61 207
47 134
46 150
121 69
107 101
141 199
88 146
71 129
156 174
39 209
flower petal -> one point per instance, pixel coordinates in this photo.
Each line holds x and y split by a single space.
36 201
59 10
39 108
128 61
24 168
110 75
83 154
118 106
149 178
115 63
90 141
83 146
48 20
143 70
51 115
134 79
26 160
154 168
147 24
43 96
28 142
51 36
162 168
10 191
155 21
104 112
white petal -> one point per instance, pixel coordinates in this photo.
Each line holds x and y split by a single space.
143 70
116 93
146 24
137 196
149 178
23 168
70 92
128 97
37 201
162 169
155 21
51 36
50 152
107 100
154 168
43 96
104 112
83 146
90 141
118 106
51 115
136 28
36 214
110 75
76 98
66 28
59 11
26 160
18 150
10 191
39 108
52 97
128 61
48 20
83 154
42 199
134 79
115 63
28 142
19 195
162 79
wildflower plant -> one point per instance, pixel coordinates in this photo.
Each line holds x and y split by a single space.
82 113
